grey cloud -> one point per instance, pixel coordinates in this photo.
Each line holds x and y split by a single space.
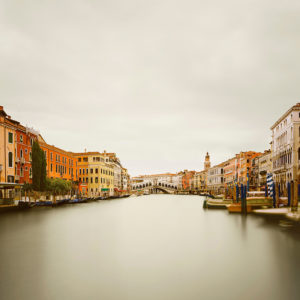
158 82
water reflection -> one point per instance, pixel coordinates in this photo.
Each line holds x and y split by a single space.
150 247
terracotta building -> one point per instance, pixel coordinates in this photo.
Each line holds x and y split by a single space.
15 150
60 163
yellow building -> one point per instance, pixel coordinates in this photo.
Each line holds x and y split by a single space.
95 174
7 147
199 181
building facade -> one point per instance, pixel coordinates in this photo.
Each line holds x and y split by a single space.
215 179
286 146
60 163
15 150
23 155
264 167
95 174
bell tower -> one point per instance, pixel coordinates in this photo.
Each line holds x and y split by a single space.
207 162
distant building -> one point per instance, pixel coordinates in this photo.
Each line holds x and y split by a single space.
95 174
187 180
215 179
264 167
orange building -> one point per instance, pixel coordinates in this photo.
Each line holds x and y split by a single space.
245 166
237 170
15 150
187 179
60 163
24 140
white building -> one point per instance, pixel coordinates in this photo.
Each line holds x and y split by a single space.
215 179
286 146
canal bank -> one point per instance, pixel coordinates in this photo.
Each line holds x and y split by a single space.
149 247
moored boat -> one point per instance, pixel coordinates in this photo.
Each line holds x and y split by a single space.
237 208
218 203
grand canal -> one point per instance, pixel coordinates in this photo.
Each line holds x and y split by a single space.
149 247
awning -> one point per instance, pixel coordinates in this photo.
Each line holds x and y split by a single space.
104 190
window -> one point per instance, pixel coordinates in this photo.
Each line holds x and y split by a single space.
26 169
96 180
51 156
26 151
51 167
21 153
87 180
96 170
21 172
83 170
87 171
30 155
10 159
91 171
31 142
79 159
21 138
30 172
10 137
91 179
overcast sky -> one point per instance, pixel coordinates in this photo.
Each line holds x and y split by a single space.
159 82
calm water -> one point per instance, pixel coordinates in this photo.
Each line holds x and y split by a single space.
150 247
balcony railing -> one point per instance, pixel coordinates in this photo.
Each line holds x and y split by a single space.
280 168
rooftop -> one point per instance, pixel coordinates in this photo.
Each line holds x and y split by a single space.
293 108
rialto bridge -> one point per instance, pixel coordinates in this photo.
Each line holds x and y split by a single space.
154 188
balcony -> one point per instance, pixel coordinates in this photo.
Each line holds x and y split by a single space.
22 160
280 169
17 177
17 160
